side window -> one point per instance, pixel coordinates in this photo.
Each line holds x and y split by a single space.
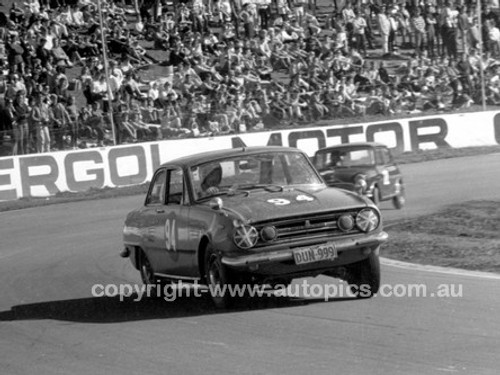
383 156
175 187
388 156
156 193
379 156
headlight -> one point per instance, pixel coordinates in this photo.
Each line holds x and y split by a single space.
268 234
367 220
360 184
245 236
345 223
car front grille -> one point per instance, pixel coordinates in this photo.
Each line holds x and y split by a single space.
314 226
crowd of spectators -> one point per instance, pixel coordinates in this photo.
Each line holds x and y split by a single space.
232 66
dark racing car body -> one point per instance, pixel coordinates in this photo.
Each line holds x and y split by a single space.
367 168
253 215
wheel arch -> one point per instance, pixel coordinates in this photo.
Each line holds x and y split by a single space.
138 252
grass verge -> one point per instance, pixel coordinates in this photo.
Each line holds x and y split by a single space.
465 235
444 153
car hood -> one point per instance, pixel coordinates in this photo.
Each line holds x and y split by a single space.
261 205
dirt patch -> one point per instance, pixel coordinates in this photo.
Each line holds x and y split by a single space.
463 236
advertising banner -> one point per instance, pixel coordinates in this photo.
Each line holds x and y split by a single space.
40 175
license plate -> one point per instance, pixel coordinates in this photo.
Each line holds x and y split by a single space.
316 253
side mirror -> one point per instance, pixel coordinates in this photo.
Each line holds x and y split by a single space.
216 204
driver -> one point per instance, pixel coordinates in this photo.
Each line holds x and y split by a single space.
337 158
212 179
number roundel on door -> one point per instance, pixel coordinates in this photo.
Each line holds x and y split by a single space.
170 235
385 177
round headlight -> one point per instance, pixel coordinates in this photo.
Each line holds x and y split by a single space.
245 236
345 223
268 233
360 184
367 220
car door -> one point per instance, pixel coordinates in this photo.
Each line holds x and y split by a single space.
151 217
171 234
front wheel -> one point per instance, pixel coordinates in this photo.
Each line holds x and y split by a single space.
364 277
399 200
217 278
376 196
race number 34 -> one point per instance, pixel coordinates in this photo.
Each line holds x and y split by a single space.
170 241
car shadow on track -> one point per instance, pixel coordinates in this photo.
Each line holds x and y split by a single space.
112 310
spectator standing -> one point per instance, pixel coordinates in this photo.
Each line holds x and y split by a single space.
248 20
298 10
95 122
263 10
393 19
21 111
385 29
74 118
61 121
359 29
10 119
41 117
348 15
493 39
473 36
430 21
449 30
405 27
464 27
283 9
418 26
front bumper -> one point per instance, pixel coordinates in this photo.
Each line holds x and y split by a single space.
287 255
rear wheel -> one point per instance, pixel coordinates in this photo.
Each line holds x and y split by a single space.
364 277
217 278
159 287
146 270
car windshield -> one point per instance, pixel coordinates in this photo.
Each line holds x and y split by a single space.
344 157
241 174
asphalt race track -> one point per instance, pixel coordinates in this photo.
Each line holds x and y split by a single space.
50 324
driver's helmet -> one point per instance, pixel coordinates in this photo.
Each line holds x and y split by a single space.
210 175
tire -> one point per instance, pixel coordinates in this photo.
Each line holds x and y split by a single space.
376 196
399 200
364 278
217 279
159 286
146 270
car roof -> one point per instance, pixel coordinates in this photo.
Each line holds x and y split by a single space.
187 161
352 145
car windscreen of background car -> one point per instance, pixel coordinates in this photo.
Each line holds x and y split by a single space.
344 158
